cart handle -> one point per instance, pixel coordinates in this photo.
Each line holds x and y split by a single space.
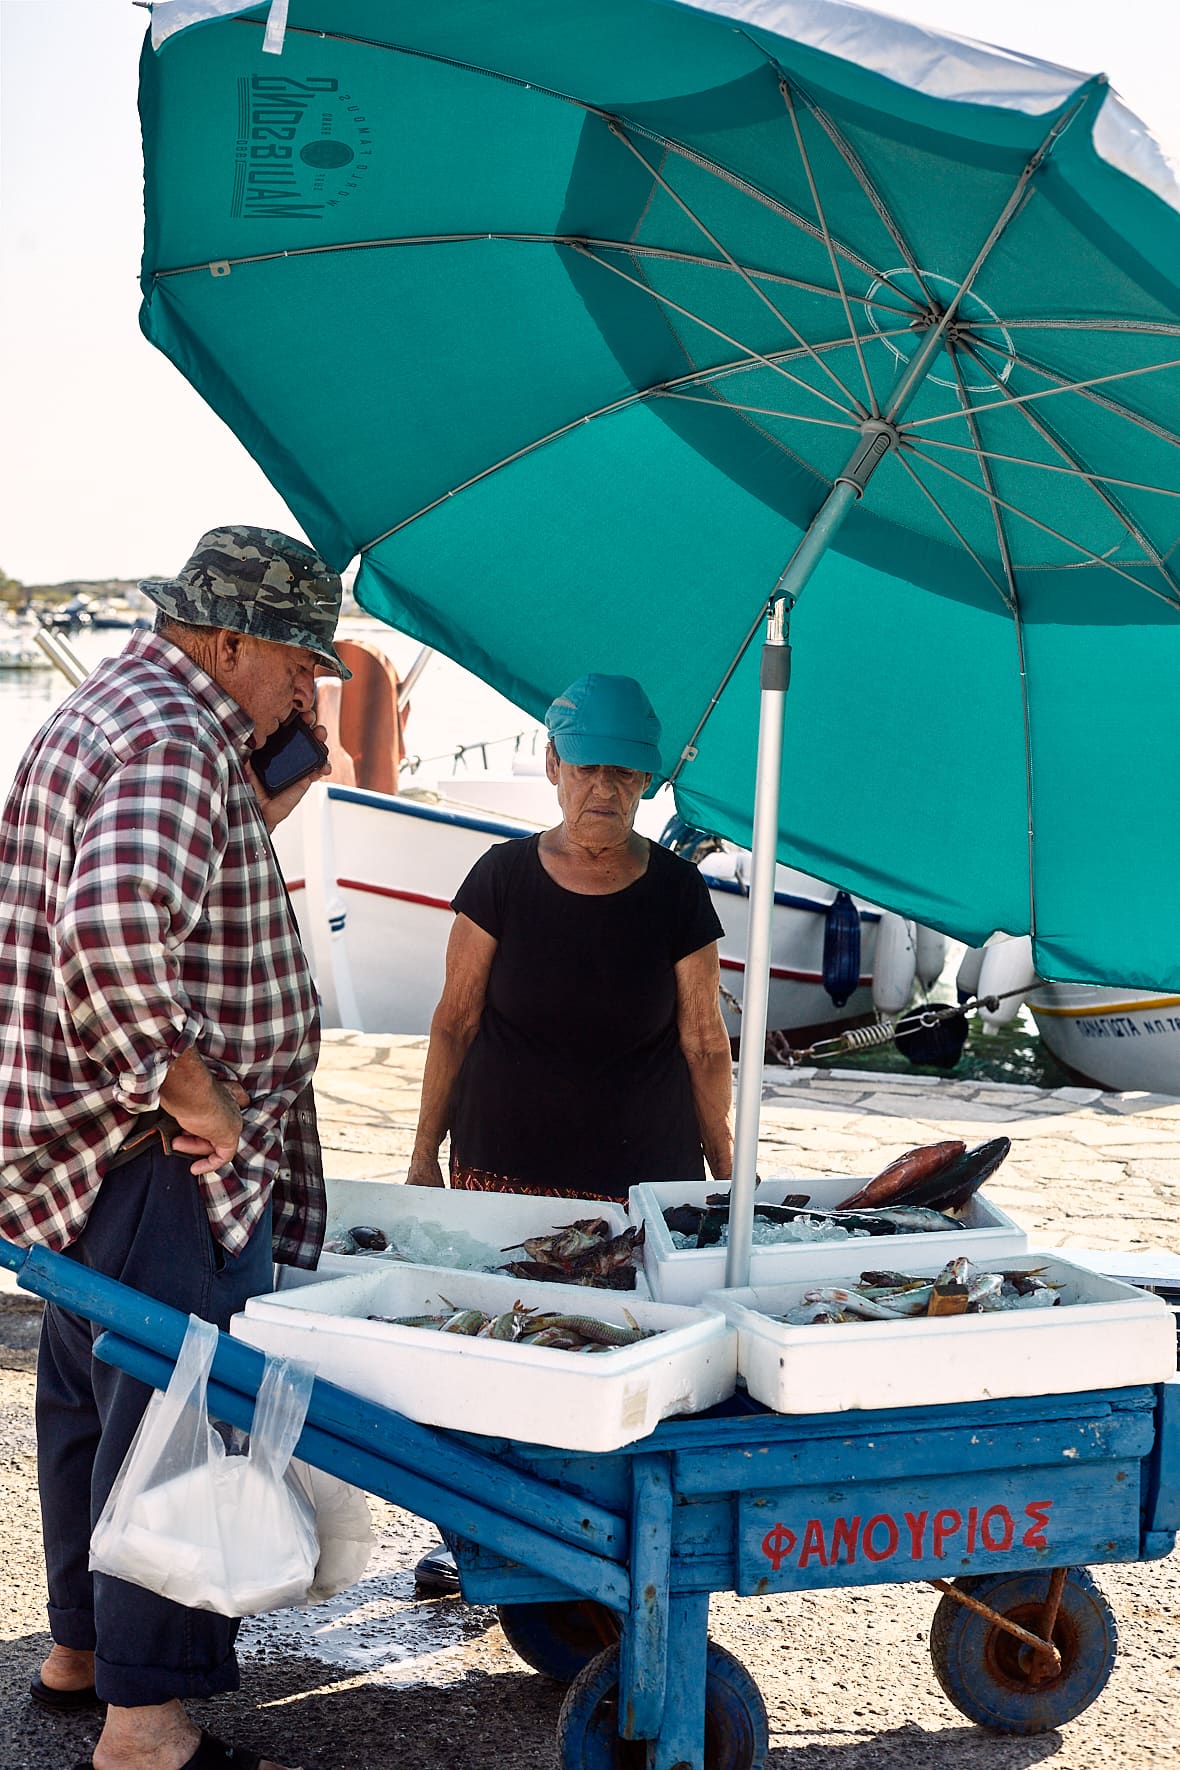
161 1329
571 1567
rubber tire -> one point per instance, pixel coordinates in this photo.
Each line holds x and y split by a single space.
558 1639
986 1673
737 1736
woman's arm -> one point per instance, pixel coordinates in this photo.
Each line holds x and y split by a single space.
705 1044
455 1022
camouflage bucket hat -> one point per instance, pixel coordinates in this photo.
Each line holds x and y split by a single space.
259 582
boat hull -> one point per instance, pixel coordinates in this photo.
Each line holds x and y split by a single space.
371 877
1125 1040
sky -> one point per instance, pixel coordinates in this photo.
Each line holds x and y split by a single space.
110 465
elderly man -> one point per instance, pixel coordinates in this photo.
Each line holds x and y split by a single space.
158 1029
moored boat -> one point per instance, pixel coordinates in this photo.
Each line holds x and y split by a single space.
1123 1039
371 877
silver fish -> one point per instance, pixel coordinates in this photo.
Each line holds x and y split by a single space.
853 1303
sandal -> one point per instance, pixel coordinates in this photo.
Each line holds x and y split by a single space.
64 1702
211 1754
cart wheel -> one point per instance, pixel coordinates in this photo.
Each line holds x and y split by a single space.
736 1733
558 1639
995 1679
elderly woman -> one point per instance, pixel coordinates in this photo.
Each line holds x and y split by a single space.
579 1045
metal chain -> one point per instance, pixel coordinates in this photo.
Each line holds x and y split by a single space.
865 1038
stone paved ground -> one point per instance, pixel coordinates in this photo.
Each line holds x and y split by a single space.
379 1678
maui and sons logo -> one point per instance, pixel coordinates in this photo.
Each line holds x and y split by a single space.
303 147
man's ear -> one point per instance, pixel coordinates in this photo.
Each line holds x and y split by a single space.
231 647
551 764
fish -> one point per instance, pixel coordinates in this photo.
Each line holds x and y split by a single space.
853 1302
566 1243
960 1288
414 1321
684 1219
606 1260
340 1244
951 1189
886 1220
372 1240
894 1181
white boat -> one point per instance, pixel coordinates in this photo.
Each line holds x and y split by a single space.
371 876
18 647
1124 1039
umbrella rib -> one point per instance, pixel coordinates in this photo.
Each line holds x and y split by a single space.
1065 387
461 239
1016 198
956 531
774 204
1017 623
735 405
657 390
1066 540
642 250
1112 504
712 166
754 356
688 750
857 168
1149 328
1085 391
621 135
989 483
1134 485
789 101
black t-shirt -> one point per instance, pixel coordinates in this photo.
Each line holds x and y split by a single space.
576 1077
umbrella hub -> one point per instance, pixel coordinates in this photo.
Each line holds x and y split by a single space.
877 437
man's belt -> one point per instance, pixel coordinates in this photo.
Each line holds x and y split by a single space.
152 1127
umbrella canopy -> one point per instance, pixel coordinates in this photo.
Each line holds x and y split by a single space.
579 323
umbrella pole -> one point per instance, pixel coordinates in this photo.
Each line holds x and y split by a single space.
877 439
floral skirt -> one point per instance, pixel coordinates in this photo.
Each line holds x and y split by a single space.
465 1179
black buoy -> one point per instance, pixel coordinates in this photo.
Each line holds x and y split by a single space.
938 1043
841 948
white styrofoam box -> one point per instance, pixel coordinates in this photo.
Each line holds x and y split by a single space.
569 1399
501 1220
1101 1335
685 1275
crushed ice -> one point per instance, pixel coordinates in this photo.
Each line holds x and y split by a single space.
765 1235
422 1242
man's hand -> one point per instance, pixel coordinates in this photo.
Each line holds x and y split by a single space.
424 1170
208 1111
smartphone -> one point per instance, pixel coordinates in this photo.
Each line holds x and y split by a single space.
288 755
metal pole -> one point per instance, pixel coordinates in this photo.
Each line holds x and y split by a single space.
411 676
61 654
776 670
876 439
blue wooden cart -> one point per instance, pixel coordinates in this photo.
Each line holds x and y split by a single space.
602 1565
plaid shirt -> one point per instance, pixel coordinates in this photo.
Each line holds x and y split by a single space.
142 913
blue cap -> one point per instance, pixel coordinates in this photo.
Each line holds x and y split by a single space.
605 720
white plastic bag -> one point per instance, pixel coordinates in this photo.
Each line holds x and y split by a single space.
344 1528
211 1530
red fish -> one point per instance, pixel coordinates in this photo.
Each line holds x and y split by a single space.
915 1164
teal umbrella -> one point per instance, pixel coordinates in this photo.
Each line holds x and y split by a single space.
594 329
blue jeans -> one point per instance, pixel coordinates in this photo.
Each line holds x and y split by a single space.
148 1228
